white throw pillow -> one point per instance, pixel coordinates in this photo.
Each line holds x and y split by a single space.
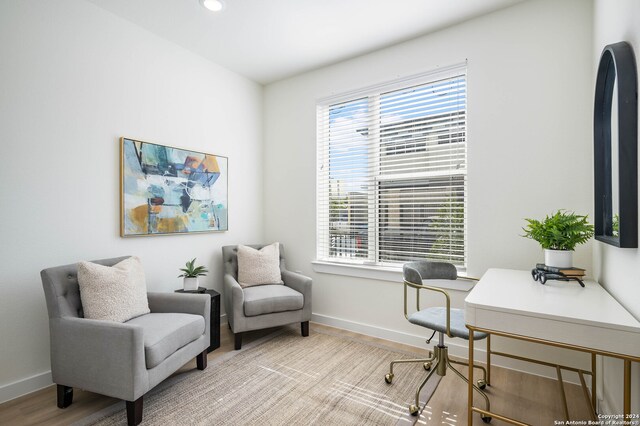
113 293
256 267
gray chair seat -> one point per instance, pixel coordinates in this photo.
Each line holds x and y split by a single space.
165 333
271 298
436 319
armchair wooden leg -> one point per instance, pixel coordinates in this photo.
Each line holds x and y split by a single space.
305 328
238 341
65 396
134 412
201 360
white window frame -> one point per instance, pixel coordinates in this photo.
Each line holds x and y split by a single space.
368 268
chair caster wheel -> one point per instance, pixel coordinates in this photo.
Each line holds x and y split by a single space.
485 419
413 410
427 366
482 384
388 378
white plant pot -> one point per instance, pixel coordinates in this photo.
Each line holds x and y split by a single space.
190 284
558 258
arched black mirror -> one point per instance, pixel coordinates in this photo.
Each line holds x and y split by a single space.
615 137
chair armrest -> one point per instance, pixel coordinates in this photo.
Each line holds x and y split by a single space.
298 282
233 295
100 356
184 303
301 284
419 287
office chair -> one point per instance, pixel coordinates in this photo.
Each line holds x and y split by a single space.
442 320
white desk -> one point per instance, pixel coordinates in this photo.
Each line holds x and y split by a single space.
510 303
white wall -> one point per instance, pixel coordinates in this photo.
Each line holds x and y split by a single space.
617 269
529 148
73 79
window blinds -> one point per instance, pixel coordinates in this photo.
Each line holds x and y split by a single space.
391 183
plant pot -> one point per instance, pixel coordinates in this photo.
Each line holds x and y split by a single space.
190 283
558 258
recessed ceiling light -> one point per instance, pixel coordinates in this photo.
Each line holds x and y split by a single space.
213 5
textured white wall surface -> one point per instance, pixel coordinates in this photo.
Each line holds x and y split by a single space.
73 80
529 148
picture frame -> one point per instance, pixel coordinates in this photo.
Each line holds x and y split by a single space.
165 190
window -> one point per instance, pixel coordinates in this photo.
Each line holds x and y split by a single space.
392 172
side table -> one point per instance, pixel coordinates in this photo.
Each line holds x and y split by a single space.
214 342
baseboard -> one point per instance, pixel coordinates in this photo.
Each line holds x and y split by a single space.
610 398
606 404
392 335
457 347
22 387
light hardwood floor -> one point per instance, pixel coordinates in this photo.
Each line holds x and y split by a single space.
533 399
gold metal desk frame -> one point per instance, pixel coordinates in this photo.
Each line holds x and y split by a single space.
591 399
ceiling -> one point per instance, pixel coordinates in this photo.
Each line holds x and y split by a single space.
268 40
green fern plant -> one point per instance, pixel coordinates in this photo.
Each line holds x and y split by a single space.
192 271
560 231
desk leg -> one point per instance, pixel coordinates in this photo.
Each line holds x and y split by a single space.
489 360
627 387
593 384
564 395
470 384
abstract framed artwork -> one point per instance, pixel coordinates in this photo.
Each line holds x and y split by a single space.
166 190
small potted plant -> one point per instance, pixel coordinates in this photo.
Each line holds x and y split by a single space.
558 235
191 274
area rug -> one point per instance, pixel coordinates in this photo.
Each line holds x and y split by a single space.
284 379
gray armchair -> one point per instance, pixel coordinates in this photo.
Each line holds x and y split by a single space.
264 306
121 360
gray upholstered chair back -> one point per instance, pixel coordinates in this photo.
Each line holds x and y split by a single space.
61 288
230 258
415 272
